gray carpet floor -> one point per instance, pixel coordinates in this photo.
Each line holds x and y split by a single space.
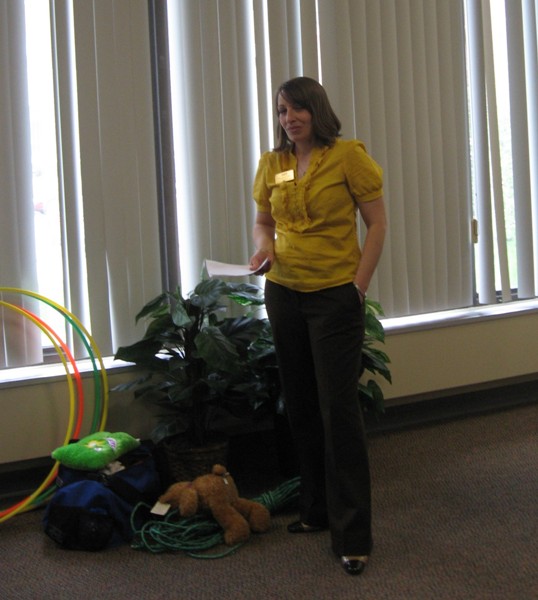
455 517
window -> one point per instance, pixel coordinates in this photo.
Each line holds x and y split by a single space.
405 75
101 159
418 81
395 73
502 73
48 239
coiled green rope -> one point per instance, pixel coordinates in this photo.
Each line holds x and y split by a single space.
195 535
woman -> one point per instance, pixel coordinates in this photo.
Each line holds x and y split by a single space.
308 191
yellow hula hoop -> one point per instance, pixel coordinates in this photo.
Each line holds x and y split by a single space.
91 341
72 409
102 405
78 378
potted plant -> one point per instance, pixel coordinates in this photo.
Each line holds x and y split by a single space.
213 374
374 360
209 372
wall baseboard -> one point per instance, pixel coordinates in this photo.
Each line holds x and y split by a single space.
426 411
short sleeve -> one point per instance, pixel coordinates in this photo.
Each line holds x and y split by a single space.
261 189
363 175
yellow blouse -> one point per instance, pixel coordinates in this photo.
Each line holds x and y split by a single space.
316 244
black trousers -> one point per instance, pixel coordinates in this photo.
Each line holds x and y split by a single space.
318 340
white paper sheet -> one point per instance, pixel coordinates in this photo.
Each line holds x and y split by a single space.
220 269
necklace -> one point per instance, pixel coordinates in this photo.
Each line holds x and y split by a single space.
302 165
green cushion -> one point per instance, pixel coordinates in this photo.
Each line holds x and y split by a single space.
95 451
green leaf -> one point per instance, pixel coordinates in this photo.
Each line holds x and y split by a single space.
141 353
207 293
180 317
181 395
151 307
168 428
242 331
374 328
375 361
246 295
129 385
158 326
216 349
374 307
375 353
377 396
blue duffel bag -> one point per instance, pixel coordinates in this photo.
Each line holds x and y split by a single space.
91 510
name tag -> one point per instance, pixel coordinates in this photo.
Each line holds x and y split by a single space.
284 176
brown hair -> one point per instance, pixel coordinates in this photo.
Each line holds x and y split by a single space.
310 95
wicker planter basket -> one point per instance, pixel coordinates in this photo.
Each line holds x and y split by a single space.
185 464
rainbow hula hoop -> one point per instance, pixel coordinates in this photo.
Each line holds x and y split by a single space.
76 372
27 501
100 385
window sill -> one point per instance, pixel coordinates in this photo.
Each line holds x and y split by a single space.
39 374
449 318
46 373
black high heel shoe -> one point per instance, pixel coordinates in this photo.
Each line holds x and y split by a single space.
300 527
354 565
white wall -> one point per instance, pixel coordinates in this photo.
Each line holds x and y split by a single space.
430 361
478 352
35 413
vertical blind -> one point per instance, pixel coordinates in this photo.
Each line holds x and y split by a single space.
117 164
19 343
216 130
395 73
520 48
106 162
515 158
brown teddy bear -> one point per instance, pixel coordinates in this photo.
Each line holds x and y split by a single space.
216 493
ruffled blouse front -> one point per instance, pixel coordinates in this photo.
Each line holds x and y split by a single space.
291 196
